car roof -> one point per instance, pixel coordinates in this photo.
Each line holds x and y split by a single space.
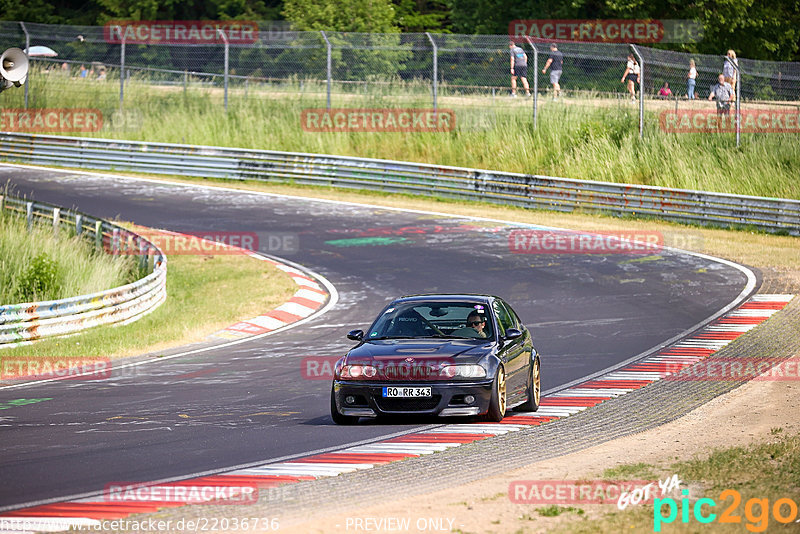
446 297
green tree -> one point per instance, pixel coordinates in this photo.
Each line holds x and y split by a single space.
185 9
341 15
757 29
416 16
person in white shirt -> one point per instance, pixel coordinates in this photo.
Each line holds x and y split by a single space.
632 73
691 80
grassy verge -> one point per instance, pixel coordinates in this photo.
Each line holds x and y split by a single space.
205 293
582 138
42 264
766 472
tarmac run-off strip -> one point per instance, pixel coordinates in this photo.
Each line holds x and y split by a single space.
684 354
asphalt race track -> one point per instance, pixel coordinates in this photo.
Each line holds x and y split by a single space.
250 403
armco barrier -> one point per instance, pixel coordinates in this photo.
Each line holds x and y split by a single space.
21 323
530 191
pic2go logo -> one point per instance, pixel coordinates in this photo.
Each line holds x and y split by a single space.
756 511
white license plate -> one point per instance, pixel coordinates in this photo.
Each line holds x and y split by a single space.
390 392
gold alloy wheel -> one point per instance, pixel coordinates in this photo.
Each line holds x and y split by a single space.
537 387
501 390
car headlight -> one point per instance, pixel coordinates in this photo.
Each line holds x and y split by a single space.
463 371
357 371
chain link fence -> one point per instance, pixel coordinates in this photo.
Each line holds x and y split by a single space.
359 69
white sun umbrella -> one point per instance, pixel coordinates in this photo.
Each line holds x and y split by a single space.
41 51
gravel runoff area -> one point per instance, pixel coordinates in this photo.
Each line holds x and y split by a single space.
624 426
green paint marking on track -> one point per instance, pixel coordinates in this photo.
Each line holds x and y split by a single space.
21 402
366 241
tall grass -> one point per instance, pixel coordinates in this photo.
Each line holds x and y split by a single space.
42 264
583 138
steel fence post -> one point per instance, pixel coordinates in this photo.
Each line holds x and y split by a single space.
121 69
98 234
27 48
738 115
329 69
535 81
225 40
641 89
29 214
435 68
142 256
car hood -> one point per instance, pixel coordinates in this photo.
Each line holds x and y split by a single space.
463 351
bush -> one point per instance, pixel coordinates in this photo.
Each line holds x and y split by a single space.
41 280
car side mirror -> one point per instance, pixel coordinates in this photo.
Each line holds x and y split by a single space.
512 333
355 335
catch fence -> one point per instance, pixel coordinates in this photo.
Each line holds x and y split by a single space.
359 69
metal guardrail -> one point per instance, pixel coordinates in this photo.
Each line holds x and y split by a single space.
23 323
530 191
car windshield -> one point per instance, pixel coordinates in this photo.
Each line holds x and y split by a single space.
459 320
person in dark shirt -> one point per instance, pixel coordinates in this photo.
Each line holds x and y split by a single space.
556 61
519 68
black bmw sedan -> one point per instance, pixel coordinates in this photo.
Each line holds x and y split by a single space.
447 355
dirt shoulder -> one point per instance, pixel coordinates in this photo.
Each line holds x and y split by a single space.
742 417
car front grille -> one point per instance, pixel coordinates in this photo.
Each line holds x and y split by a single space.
408 404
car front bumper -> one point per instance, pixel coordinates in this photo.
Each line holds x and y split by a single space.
447 399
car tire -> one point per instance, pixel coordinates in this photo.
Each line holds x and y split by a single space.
499 399
338 418
533 388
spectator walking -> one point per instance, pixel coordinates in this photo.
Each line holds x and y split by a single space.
723 93
691 80
632 73
727 69
556 61
519 68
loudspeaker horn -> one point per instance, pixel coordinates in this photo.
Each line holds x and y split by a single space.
14 66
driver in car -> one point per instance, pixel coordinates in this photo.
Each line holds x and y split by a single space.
475 325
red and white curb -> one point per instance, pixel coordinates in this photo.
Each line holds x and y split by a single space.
310 297
708 340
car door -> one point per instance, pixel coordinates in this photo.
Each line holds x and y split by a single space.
527 339
512 352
